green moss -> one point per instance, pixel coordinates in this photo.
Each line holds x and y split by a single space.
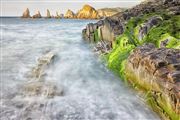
171 43
96 36
170 27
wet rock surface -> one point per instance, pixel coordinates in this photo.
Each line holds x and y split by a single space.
159 68
39 85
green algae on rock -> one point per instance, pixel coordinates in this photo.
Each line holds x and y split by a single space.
156 22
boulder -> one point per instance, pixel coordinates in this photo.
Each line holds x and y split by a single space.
87 12
26 13
69 14
37 15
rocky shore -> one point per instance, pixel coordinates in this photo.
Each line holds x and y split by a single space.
87 12
142 46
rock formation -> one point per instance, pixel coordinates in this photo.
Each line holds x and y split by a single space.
38 85
87 12
153 70
69 14
37 15
26 13
158 71
107 12
48 14
57 15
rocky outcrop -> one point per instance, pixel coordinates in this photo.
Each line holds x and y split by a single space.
144 28
57 15
48 14
87 12
114 25
69 14
26 13
37 15
153 71
38 85
107 12
157 70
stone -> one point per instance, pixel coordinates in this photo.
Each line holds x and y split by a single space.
26 13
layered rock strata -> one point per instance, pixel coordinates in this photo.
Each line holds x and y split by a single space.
157 71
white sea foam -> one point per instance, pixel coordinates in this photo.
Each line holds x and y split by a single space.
90 90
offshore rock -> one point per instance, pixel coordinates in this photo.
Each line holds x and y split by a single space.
158 71
69 14
48 14
43 62
26 13
87 12
37 15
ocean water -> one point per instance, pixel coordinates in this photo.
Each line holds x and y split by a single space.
90 90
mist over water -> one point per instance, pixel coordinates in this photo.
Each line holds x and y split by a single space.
90 91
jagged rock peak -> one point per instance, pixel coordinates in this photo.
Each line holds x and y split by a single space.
70 14
87 12
48 14
37 15
26 13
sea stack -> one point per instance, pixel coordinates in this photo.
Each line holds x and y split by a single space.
26 13
69 14
87 12
57 15
37 15
48 14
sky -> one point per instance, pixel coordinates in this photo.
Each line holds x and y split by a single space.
16 7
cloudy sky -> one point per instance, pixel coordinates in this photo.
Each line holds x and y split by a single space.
16 7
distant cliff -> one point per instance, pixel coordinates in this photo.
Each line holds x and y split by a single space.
87 12
107 12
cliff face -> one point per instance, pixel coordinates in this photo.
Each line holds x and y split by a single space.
87 12
26 14
153 70
107 12
69 14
